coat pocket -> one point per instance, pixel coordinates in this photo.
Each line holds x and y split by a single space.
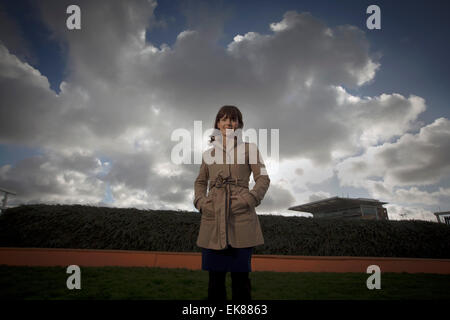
207 209
249 199
238 205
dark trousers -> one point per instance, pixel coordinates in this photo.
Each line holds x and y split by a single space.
240 286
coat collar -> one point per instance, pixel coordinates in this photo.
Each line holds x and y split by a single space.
218 138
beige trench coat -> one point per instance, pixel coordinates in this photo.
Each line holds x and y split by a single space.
228 210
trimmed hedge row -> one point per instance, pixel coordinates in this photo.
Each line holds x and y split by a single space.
78 226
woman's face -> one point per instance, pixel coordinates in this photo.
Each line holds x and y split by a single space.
226 123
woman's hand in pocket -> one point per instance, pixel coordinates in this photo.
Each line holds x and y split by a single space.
249 199
207 207
238 205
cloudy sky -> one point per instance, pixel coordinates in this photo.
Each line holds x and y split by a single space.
86 116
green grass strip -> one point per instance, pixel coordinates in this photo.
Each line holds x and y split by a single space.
134 283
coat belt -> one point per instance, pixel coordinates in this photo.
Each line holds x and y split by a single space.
225 183
221 182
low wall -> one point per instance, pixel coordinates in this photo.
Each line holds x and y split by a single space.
192 260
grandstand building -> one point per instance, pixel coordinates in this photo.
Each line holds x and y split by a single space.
352 208
443 217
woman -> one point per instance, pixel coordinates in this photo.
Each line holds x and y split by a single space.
229 227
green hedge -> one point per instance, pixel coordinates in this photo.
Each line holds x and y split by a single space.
78 226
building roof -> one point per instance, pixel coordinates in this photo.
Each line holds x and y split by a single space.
335 203
441 213
7 191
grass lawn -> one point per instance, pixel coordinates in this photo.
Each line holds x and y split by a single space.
106 283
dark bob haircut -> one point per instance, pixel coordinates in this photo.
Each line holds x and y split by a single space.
230 112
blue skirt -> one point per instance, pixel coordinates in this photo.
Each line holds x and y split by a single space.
229 259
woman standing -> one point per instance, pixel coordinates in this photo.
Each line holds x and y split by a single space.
229 227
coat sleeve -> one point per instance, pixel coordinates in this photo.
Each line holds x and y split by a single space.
201 185
262 181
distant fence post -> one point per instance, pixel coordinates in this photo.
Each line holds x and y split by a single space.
5 198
